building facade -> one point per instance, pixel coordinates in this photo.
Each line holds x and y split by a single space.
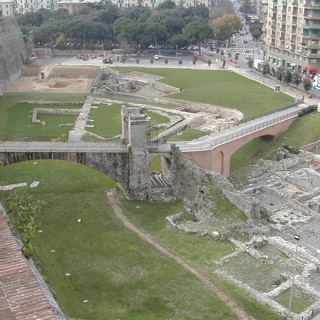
73 5
292 34
11 7
7 7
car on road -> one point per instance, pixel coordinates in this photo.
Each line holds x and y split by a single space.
156 57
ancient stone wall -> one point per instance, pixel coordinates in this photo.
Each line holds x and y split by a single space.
115 165
13 51
190 184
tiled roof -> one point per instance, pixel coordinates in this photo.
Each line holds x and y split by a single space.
21 297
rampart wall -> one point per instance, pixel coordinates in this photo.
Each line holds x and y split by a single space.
13 51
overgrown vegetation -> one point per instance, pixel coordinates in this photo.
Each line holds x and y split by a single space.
24 211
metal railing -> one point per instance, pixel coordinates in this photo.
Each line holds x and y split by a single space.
236 132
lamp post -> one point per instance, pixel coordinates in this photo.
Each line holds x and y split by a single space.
297 238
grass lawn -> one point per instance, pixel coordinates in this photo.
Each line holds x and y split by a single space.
187 134
15 117
100 270
222 88
107 119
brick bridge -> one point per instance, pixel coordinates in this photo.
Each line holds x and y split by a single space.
214 152
128 163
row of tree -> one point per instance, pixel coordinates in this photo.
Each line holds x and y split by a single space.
103 25
284 74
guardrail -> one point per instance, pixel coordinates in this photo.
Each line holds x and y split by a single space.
245 120
236 132
56 147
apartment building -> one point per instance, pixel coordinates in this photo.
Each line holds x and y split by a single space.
7 7
24 6
292 34
73 5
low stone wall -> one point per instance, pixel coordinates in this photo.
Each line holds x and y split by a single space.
36 111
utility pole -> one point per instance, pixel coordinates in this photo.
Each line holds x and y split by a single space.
297 237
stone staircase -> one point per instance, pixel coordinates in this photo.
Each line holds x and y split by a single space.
160 188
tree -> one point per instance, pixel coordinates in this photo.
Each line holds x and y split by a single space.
49 32
256 30
179 40
154 32
296 78
287 76
247 7
265 68
137 13
225 27
280 73
167 4
128 31
197 32
307 84
250 63
25 210
220 8
61 14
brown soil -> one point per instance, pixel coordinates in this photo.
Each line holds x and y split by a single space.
64 79
237 311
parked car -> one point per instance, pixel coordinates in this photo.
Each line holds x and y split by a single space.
107 60
156 57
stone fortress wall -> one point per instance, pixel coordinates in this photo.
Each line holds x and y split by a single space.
13 51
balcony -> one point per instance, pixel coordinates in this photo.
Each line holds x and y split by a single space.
311 36
312 25
312 4
312 55
313 15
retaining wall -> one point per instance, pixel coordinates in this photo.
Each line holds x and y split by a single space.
13 51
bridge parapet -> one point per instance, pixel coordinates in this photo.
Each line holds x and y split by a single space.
241 130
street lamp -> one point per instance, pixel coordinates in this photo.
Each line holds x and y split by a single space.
297 238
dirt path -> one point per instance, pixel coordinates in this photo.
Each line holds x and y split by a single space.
167 252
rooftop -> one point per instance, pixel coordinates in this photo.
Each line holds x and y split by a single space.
21 296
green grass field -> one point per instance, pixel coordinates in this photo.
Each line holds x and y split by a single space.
15 117
99 270
222 88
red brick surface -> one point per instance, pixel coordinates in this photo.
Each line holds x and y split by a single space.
21 297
